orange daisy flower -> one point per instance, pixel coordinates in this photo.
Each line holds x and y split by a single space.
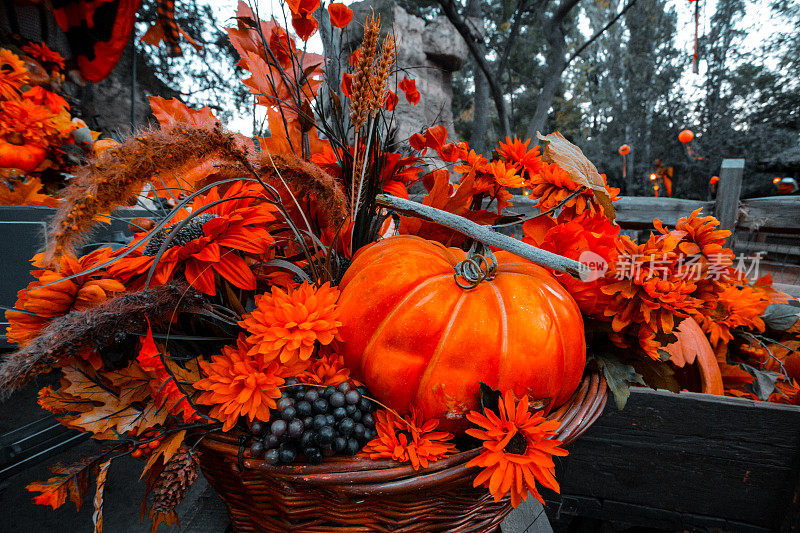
44 54
517 450
13 74
212 243
408 439
327 370
237 384
287 325
38 305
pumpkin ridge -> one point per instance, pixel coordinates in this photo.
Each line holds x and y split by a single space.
563 352
504 314
429 368
391 314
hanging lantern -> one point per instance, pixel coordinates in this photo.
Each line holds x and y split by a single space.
653 177
623 151
655 190
686 136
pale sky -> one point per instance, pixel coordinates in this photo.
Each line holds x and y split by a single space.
758 22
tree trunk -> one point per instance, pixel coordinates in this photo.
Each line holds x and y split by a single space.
556 63
480 100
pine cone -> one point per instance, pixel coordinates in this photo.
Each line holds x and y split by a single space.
174 481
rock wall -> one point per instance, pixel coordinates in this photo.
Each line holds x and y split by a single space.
427 52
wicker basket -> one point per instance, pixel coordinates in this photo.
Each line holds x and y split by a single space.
356 494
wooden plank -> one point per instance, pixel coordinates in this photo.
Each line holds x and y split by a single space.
729 190
692 455
766 248
775 214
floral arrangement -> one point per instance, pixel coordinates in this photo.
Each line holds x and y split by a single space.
295 297
36 126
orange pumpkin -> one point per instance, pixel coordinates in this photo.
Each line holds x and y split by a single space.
25 157
686 136
415 337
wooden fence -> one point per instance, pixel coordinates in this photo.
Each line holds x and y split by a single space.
767 228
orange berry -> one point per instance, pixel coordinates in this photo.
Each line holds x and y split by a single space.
154 444
136 453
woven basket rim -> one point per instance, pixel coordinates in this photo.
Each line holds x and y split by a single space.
362 475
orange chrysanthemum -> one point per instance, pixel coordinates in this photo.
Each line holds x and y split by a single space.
552 185
408 439
287 325
517 153
34 122
13 75
215 242
41 52
505 175
38 304
572 239
327 370
737 306
238 384
517 450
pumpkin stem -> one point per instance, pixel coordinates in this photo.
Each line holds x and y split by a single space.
477 267
485 234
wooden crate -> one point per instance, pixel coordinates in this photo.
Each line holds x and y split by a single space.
23 229
685 462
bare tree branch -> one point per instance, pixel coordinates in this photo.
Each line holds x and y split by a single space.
459 22
599 32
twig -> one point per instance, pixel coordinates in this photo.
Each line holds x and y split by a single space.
484 234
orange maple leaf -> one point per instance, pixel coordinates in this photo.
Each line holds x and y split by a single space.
25 193
171 112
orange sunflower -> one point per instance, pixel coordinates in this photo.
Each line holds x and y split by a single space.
287 325
517 450
38 305
237 384
409 439
13 74
218 241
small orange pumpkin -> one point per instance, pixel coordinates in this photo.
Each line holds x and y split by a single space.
26 157
415 337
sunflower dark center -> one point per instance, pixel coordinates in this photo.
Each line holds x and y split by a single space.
518 444
191 231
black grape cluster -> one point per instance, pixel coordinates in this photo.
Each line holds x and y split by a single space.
313 423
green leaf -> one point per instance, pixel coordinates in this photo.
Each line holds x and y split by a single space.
619 376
